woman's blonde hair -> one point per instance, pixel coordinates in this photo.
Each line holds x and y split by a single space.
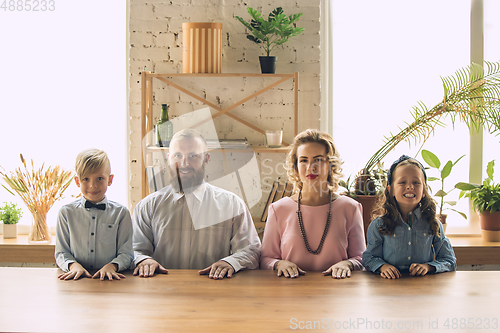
89 161
313 135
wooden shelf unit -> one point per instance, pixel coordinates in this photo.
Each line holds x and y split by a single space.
147 123
256 149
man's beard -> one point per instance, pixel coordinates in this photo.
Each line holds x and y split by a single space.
186 185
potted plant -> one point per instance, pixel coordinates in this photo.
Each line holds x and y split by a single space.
471 95
486 201
368 195
433 161
276 30
39 189
10 215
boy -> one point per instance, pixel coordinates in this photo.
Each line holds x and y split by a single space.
92 232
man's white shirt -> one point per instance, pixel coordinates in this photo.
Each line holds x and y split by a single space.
195 230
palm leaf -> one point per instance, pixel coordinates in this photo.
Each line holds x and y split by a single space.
472 94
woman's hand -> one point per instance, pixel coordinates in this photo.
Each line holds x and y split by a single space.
288 269
389 272
421 269
340 270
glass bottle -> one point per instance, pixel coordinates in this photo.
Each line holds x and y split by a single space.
164 128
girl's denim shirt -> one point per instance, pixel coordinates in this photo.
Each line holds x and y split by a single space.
408 245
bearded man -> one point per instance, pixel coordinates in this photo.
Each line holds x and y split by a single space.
191 224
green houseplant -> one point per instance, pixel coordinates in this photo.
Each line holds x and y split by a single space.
471 95
10 216
276 30
377 185
485 199
433 161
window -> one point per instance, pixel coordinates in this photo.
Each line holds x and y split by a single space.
63 89
491 52
385 57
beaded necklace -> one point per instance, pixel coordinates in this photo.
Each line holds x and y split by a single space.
303 231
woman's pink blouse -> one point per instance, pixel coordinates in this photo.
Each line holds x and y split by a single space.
283 240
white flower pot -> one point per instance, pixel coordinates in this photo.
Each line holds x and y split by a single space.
10 231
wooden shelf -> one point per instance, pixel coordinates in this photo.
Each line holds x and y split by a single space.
221 75
256 149
147 124
18 250
472 250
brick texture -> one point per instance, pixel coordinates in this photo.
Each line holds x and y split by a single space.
155 36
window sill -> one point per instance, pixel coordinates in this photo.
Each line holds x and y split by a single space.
469 250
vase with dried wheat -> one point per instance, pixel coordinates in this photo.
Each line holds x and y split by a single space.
39 189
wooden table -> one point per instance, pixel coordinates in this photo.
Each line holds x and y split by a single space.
33 299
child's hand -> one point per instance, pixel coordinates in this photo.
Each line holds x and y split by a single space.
109 271
75 272
421 269
389 272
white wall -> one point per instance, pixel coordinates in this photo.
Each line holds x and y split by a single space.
63 89
156 45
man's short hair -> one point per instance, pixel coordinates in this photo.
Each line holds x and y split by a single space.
189 133
90 161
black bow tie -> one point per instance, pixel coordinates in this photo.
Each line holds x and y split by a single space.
89 204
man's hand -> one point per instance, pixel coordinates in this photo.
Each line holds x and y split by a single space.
389 272
421 269
340 270
288 269
148 267
75 272
109 271
218 270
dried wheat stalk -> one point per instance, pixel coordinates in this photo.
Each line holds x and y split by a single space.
39 189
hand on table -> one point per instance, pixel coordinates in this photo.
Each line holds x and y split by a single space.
75 272
108 271
148 267
389 272
340 270
288 269
218 270
421 269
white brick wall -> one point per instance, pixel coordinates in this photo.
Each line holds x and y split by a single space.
155 30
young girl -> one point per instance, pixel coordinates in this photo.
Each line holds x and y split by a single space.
407 235
314 229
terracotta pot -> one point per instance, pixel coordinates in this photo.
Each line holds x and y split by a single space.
442 219
10 231
368 203
490 226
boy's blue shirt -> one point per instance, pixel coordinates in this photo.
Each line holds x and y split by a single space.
408 245
94 237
